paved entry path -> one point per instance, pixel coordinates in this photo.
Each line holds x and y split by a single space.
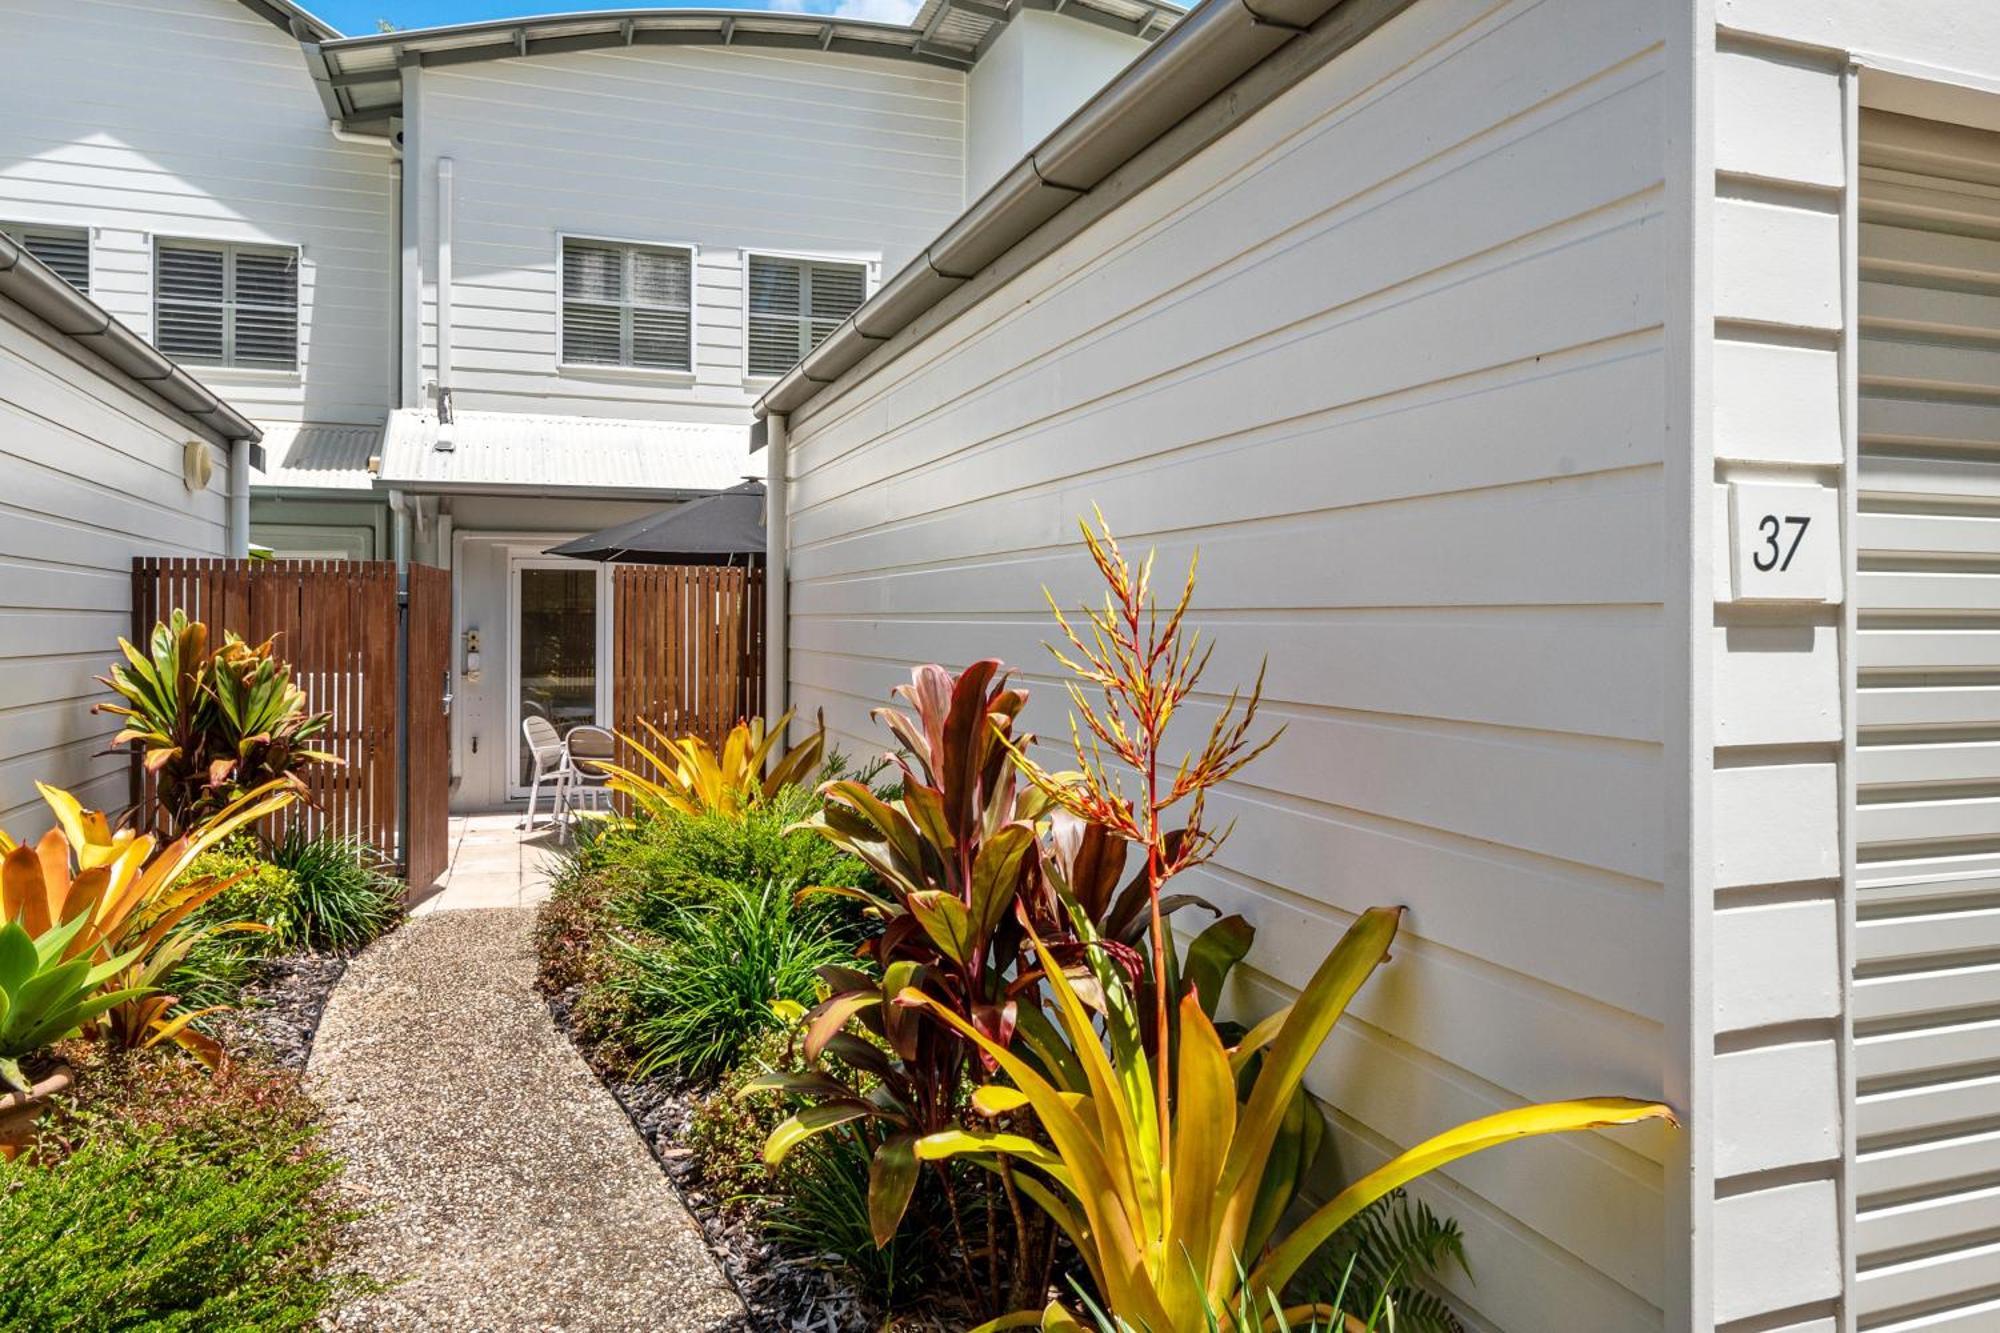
506 1189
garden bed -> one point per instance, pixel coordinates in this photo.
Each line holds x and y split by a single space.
281 1007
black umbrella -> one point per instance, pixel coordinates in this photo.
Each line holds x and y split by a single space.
727 528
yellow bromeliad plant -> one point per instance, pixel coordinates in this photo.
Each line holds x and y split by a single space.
1167 1239
690 777
131 898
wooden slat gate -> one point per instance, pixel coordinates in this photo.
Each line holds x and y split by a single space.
689 654
427 658
336 622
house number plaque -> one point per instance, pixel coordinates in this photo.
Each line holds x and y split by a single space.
1784 543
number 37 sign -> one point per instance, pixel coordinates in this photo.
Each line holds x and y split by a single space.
1784 543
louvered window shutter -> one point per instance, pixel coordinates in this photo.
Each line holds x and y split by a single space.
795 304
264 321
64 249
190 316
627 305
227 305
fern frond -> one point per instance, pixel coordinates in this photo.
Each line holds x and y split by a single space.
1392 1248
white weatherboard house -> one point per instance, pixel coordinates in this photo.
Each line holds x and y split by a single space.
492 286
1593 409
107 451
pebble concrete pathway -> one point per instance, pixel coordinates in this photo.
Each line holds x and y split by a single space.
503 1187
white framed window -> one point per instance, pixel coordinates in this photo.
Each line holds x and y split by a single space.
64 249
222 304
794 303
627 304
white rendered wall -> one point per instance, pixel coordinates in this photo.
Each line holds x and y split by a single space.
90 476
1041 68
1390 355
728 150
196 119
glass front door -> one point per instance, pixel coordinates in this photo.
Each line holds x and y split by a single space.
556 628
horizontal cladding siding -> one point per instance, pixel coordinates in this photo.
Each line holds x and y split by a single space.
90 476
1393 365
197 118
725 149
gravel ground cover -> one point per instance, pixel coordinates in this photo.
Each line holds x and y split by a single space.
281 1009
503 1186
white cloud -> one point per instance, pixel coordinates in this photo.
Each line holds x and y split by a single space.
867 11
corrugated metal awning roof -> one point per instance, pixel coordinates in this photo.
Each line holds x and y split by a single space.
501 452
361 84
307 456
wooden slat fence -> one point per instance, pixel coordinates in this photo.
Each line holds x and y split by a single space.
689 654
336 624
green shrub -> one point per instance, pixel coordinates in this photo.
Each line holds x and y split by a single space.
217 968
701 995
570 927
344 899
167 1199
658 864
266 894
727 1130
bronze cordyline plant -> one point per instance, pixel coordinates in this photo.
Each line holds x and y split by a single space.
956 857
211 723
969 863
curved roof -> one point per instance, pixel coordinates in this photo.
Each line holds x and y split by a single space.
360 81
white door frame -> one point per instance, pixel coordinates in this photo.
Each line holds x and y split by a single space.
530 557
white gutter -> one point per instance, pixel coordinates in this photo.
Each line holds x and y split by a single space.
777 576
1214 46
444 206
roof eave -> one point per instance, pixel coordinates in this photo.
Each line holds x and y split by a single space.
1218 43
293 19
587 491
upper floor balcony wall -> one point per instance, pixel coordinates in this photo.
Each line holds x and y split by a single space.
699 158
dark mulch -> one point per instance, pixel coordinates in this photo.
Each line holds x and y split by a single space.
785 1292
280 1010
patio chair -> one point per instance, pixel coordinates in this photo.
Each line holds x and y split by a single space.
550 760
586 748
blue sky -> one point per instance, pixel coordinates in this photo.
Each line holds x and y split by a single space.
356 17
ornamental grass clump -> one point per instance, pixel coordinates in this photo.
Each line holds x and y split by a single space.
703 988
342 897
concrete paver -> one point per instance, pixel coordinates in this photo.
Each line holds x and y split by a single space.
494 863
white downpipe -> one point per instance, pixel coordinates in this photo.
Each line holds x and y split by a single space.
399 517
345 135
777 578
239 498
444 227
411 223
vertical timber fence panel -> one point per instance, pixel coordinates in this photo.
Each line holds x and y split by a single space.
688 653
335 624
429 773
